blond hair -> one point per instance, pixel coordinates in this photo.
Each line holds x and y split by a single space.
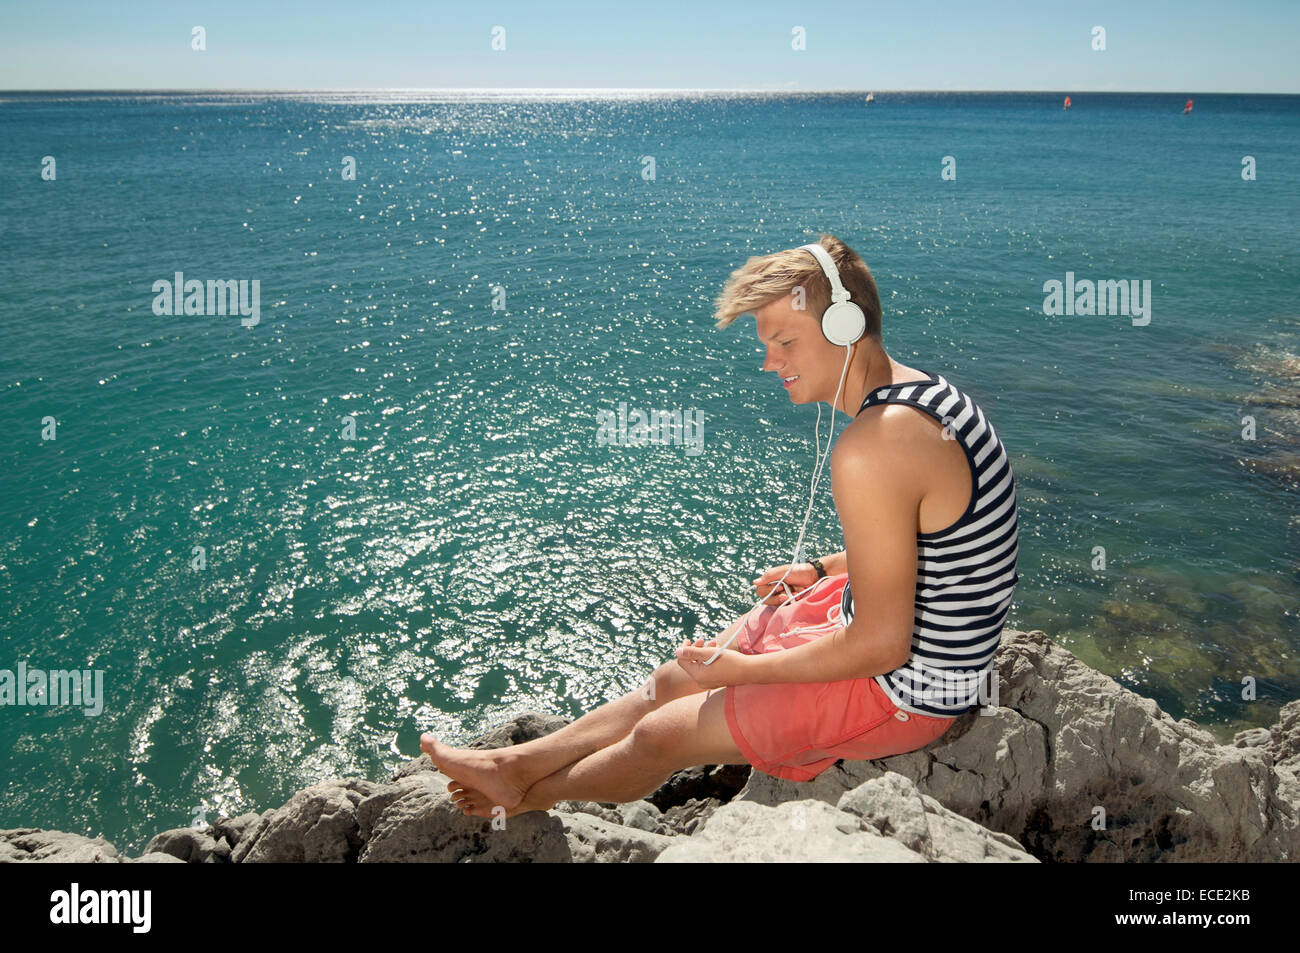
765 278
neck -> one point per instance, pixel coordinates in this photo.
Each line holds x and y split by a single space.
869 368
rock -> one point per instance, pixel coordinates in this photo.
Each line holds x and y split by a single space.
719 781
318 825
414 766
883 819
892 806
603 811
827 787
1284 737
32 845
526 727
231 829
156 858
806 831
184 843
1069 748
686 818
595 841
643 816
415 821
1252 738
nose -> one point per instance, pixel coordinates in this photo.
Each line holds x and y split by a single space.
769 364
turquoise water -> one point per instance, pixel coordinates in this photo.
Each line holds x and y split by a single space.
474 552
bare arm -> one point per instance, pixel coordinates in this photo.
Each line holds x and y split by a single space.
877 495
835 563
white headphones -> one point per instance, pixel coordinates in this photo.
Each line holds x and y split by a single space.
843 321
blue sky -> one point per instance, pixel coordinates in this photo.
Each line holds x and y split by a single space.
1246 46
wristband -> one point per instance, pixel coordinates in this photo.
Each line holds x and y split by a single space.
817 564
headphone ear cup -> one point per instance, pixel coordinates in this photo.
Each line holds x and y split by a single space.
843 323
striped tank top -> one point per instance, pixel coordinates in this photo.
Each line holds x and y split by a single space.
965 573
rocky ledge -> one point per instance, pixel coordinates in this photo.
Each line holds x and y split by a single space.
1069 767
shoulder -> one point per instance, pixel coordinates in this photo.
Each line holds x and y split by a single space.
890 440
879 450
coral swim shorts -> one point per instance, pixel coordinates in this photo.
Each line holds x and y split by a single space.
796 730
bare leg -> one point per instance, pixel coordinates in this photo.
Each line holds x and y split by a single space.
504 774
689 731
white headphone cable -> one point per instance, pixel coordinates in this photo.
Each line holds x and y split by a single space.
817 472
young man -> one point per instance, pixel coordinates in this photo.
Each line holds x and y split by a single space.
926 498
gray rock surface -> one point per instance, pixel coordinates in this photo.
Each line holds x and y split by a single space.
231 829
686 818
186 844
885 819
33 845
806 831
892 806
318 825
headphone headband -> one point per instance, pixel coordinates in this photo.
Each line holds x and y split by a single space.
843 321
838 291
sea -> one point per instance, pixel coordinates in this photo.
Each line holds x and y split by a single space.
294 522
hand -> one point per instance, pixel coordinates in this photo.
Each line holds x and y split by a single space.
729 669
801 577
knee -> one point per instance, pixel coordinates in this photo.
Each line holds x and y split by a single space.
655 737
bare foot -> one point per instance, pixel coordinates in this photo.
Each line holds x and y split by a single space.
473 804
481 771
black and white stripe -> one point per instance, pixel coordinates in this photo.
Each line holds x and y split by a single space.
965 574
